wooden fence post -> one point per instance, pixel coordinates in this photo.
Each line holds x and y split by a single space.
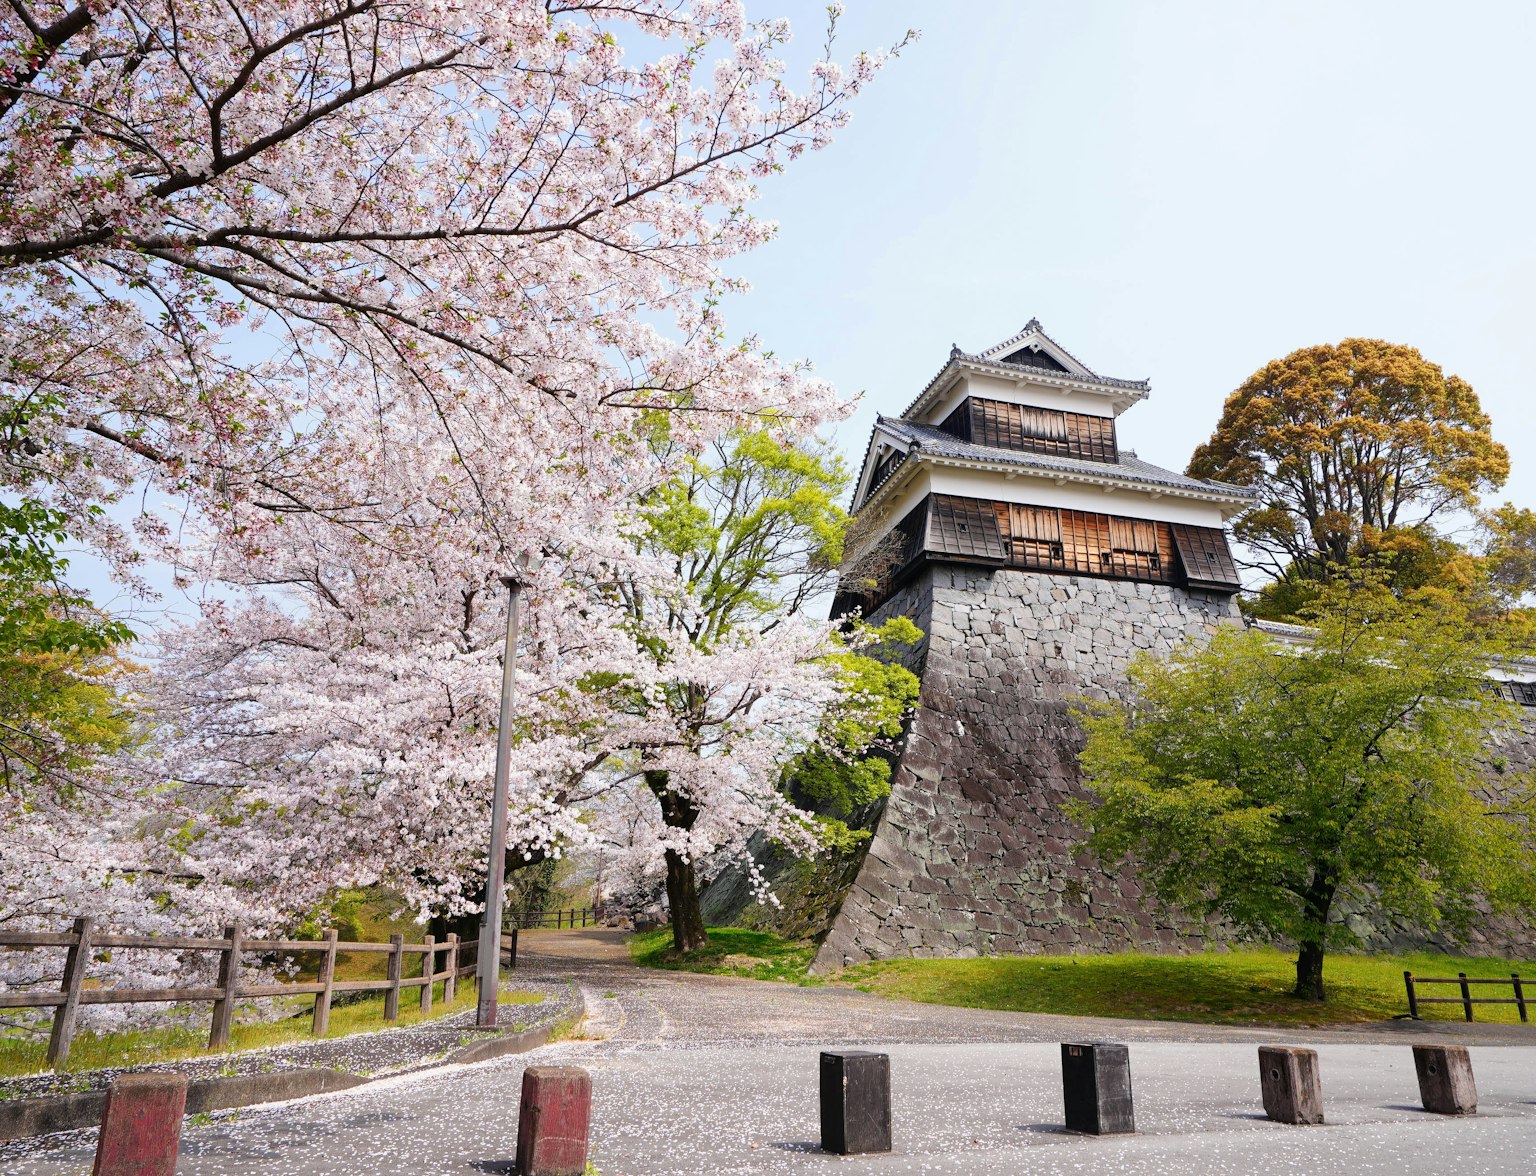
322 1021
1466 995
451 984
1413 1000
428 958
1519 995
512 954
66 1014
229 984
392 993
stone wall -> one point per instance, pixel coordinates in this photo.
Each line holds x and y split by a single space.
972 853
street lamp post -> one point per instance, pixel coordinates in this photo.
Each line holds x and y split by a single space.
488 959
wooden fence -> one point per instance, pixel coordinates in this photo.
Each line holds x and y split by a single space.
1466 1000
567 917
84 940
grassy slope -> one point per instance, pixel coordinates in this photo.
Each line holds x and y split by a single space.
758 955
1239 987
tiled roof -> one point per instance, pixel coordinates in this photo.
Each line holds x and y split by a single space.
930 440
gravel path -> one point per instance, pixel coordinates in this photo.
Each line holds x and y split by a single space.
697 1075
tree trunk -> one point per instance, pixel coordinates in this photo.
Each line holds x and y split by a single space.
467 926
683 897
1309 972
1316 903
682 883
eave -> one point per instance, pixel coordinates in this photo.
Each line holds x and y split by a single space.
1107 480
1120 393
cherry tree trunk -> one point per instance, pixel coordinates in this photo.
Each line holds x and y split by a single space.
1317 902
682 883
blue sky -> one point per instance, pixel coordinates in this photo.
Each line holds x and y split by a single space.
1179 191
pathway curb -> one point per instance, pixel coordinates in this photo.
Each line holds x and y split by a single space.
24 1118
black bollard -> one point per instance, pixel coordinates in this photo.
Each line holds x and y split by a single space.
1096 1080
855 1102
1445 1079
1289 1081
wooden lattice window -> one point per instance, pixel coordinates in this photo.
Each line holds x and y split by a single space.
1028 429
1133 549
1033 534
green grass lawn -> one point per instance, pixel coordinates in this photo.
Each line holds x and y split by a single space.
91 1051
731 951
1250 987
1238 987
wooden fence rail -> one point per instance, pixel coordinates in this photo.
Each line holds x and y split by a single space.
83 940
1466 1000
565 917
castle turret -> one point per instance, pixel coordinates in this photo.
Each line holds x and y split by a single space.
1010 458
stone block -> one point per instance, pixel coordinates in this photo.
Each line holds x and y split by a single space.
1290 1084
141 1126
553 1121
1096 1085
1446 1086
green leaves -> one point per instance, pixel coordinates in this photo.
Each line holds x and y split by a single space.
847 769
57 708
1263 780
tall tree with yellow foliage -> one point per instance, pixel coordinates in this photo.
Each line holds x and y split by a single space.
1349 444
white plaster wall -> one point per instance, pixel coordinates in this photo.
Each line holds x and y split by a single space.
1022 391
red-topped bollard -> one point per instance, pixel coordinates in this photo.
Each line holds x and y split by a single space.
553 1120
141 1126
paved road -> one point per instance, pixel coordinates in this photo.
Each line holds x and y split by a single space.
701 1075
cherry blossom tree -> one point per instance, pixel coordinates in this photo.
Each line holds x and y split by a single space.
734 682
478 209
358 299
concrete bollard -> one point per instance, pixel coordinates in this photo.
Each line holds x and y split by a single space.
553 1120
1445 1079
1096 1082
141 1126
855 1102
1289 1081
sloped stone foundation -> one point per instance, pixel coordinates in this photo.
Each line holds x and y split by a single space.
972 853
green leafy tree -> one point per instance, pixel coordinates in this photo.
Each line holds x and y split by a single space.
1509 551
751 534
1266 781
840 775
59 709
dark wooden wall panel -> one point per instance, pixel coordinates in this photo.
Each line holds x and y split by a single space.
1048 539
1206 557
